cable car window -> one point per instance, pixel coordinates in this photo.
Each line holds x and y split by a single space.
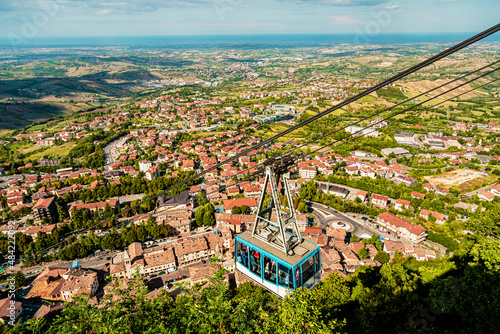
285 277
270 269
308 269
298 281
242 256
255 262
316 262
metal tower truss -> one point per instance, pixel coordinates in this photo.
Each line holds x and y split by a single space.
283 233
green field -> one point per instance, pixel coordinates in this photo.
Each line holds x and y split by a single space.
55 151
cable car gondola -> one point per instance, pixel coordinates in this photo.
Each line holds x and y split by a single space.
273 254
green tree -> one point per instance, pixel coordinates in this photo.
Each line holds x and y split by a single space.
382 257
302 207
208 219
112 241
363 253
198 216
20 279
236 210
354 238
244 209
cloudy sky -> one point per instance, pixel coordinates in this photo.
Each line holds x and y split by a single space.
45 18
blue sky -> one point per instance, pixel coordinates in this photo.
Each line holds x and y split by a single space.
46 18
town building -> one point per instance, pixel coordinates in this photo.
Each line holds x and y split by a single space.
10 310
401 228
45 208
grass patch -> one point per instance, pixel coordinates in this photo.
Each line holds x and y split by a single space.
477 183
62 150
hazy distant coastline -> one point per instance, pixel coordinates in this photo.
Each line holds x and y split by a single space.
232 40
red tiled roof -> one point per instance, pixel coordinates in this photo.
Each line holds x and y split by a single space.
399 222
43 203
248 201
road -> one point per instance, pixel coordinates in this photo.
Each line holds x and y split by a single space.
110 151
93 262
359 227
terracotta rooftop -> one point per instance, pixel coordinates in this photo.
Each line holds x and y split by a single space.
43 203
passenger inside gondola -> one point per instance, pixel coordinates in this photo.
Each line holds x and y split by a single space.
255 262
242 256
285 278
269 269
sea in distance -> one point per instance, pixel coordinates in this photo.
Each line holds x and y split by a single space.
250 41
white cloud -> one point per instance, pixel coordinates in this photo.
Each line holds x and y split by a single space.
345 19
104 12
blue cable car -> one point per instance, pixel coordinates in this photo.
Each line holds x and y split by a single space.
272 255
272 269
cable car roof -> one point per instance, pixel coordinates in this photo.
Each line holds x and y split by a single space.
291 259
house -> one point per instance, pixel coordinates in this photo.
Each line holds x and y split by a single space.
367 172
159 259
49 312
15 201
236 223
10 310
442 191
466 206
48 284
252 189
249 202
179 226
495 190
390 247
407 249
34 230
401 228
199 275
336 234
79 281
406 180
93 207
486 196
440 218
362 195
401 205
152 173
187 165
379 200
417 195
194 191
352 170
45 208
428 186
191 250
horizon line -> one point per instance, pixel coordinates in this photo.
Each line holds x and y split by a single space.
261 34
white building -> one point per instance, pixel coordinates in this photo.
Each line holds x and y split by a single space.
308 172
361 131
144 166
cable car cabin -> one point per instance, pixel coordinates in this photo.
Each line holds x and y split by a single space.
275 270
